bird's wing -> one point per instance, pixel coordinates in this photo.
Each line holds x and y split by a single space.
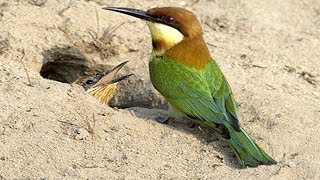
225 101
221 93
188 90
195 102
230 104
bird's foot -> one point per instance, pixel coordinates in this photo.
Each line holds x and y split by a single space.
192 125
163 119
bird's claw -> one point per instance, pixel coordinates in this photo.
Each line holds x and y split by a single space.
163 119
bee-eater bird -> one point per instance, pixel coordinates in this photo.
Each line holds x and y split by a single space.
103 85
182 70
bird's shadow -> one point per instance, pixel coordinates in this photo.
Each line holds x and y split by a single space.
187 125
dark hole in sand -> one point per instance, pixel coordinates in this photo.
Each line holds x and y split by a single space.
64 64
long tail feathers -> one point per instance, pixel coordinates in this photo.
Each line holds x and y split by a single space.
246 150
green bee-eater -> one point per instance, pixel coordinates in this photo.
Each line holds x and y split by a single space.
182 70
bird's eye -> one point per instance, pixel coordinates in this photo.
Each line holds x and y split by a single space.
168 19
89 81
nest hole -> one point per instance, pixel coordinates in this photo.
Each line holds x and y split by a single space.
64 64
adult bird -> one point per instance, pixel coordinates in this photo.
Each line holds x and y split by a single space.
103 85
182 70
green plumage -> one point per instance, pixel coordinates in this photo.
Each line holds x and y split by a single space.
206 96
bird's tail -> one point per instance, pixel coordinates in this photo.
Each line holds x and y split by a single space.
246 150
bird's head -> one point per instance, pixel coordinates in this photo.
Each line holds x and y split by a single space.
176 33
168 25
103 85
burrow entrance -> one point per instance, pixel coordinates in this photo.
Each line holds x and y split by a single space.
64 64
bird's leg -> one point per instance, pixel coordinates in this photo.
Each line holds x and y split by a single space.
193 124
164 119
173 114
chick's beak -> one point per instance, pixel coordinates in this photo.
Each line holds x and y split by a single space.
133 12
108 78
105 87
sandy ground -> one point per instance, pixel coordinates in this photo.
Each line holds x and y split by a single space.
51 128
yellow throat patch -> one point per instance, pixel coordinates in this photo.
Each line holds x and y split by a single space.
163 37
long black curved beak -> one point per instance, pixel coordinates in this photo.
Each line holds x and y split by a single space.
133 12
